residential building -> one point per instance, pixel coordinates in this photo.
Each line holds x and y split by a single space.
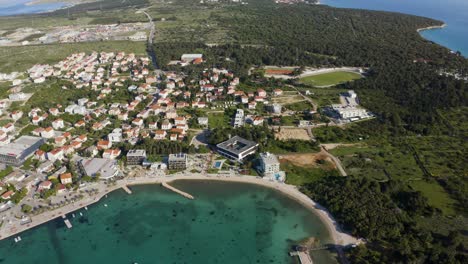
136 156
177 161
203 121
111 153
269 163
55 154
239 118
66 178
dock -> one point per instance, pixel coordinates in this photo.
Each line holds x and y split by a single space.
304 257
184 194
125 187
67 223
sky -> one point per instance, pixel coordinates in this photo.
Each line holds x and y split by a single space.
8 3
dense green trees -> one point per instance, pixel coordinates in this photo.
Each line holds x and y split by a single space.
385 214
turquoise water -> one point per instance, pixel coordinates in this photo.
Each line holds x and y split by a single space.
453 12
226 223
18 7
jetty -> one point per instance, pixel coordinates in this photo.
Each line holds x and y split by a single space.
184 194
126 189
304 257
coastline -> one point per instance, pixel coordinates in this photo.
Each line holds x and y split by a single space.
338 237
432 27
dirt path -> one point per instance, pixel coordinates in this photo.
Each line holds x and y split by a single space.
335 160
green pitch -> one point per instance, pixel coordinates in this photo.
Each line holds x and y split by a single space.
331 78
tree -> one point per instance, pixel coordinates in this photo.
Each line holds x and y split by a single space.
26 208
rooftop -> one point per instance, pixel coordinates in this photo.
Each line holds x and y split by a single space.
136 153
269 158
19 146
106 167
236 145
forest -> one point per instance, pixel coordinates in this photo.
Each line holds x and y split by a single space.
384 214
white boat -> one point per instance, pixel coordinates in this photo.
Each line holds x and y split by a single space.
73 215
105 205
86 208
81 214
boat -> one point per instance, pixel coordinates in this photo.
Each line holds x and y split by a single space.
73 215
81 214
105 205
86 208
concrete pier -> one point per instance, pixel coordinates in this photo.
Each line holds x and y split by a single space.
304 257
125 187
184 194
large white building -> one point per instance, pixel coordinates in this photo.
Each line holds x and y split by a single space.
351 112
17 152
190 57
269 163
237 148
105 168
349 107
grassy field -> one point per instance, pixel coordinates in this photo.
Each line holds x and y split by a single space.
380 162
330 79
22 58
436 196
325 96
384 162
218 120
301 175
49 94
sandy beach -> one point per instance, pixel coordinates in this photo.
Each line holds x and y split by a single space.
338 236
431 27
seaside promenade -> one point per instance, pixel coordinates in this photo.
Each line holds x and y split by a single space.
340 238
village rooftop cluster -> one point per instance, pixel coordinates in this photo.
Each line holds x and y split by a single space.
98 143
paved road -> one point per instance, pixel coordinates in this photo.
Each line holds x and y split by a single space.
151 52
153 28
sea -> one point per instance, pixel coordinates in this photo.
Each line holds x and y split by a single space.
20 7
453 12
227 223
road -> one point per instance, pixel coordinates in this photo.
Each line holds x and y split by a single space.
153 28
308 99
150 47
335 160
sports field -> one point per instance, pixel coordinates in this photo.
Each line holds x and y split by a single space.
330 78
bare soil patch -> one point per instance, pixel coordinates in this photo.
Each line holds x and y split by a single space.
310 160
292 133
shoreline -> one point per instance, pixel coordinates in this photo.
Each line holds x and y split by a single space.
338 237
432 27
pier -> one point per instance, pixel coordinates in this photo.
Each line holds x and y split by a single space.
184 194
125 187
304 257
